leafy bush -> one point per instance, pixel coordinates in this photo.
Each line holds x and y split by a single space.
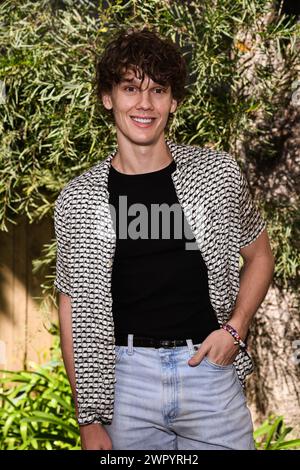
272 433
37 411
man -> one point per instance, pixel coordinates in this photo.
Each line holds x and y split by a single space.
143 297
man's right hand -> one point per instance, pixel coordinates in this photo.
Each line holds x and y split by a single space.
94 437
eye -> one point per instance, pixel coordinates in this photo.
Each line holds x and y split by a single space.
127 88
161 90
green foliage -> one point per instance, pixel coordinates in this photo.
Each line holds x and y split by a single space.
271 435
48 127
51 127
37 411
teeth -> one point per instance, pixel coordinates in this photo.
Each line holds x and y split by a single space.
146 121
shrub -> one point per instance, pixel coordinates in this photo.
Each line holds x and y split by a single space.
37 411
272 433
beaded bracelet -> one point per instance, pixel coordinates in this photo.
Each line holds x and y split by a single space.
234 333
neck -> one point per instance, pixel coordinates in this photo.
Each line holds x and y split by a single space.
134 158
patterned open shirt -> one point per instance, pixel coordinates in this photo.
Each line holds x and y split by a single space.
215 197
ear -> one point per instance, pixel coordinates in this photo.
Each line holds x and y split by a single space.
173 106
106 100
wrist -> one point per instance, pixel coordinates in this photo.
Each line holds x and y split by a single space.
237 339
86 427
240 327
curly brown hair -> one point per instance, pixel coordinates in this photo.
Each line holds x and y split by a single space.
143 51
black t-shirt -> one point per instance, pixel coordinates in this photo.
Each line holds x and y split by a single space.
159 288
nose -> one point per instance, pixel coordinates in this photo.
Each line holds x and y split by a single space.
144 101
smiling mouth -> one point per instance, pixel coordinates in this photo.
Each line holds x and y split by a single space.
142 122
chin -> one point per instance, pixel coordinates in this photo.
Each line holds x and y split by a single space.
147 140
142 139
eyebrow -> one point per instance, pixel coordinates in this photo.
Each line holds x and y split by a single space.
127 80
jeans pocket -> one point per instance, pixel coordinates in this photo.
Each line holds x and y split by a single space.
217 366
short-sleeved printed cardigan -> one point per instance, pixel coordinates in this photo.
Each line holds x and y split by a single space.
215 197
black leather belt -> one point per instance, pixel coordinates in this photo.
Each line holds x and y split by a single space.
150 342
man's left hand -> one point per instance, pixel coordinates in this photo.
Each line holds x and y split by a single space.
219 347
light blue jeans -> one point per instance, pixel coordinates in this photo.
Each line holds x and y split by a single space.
162 403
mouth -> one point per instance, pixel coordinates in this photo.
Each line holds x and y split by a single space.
142 122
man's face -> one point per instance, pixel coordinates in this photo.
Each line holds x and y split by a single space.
140 110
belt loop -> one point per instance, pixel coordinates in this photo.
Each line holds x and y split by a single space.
130 344
190 346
